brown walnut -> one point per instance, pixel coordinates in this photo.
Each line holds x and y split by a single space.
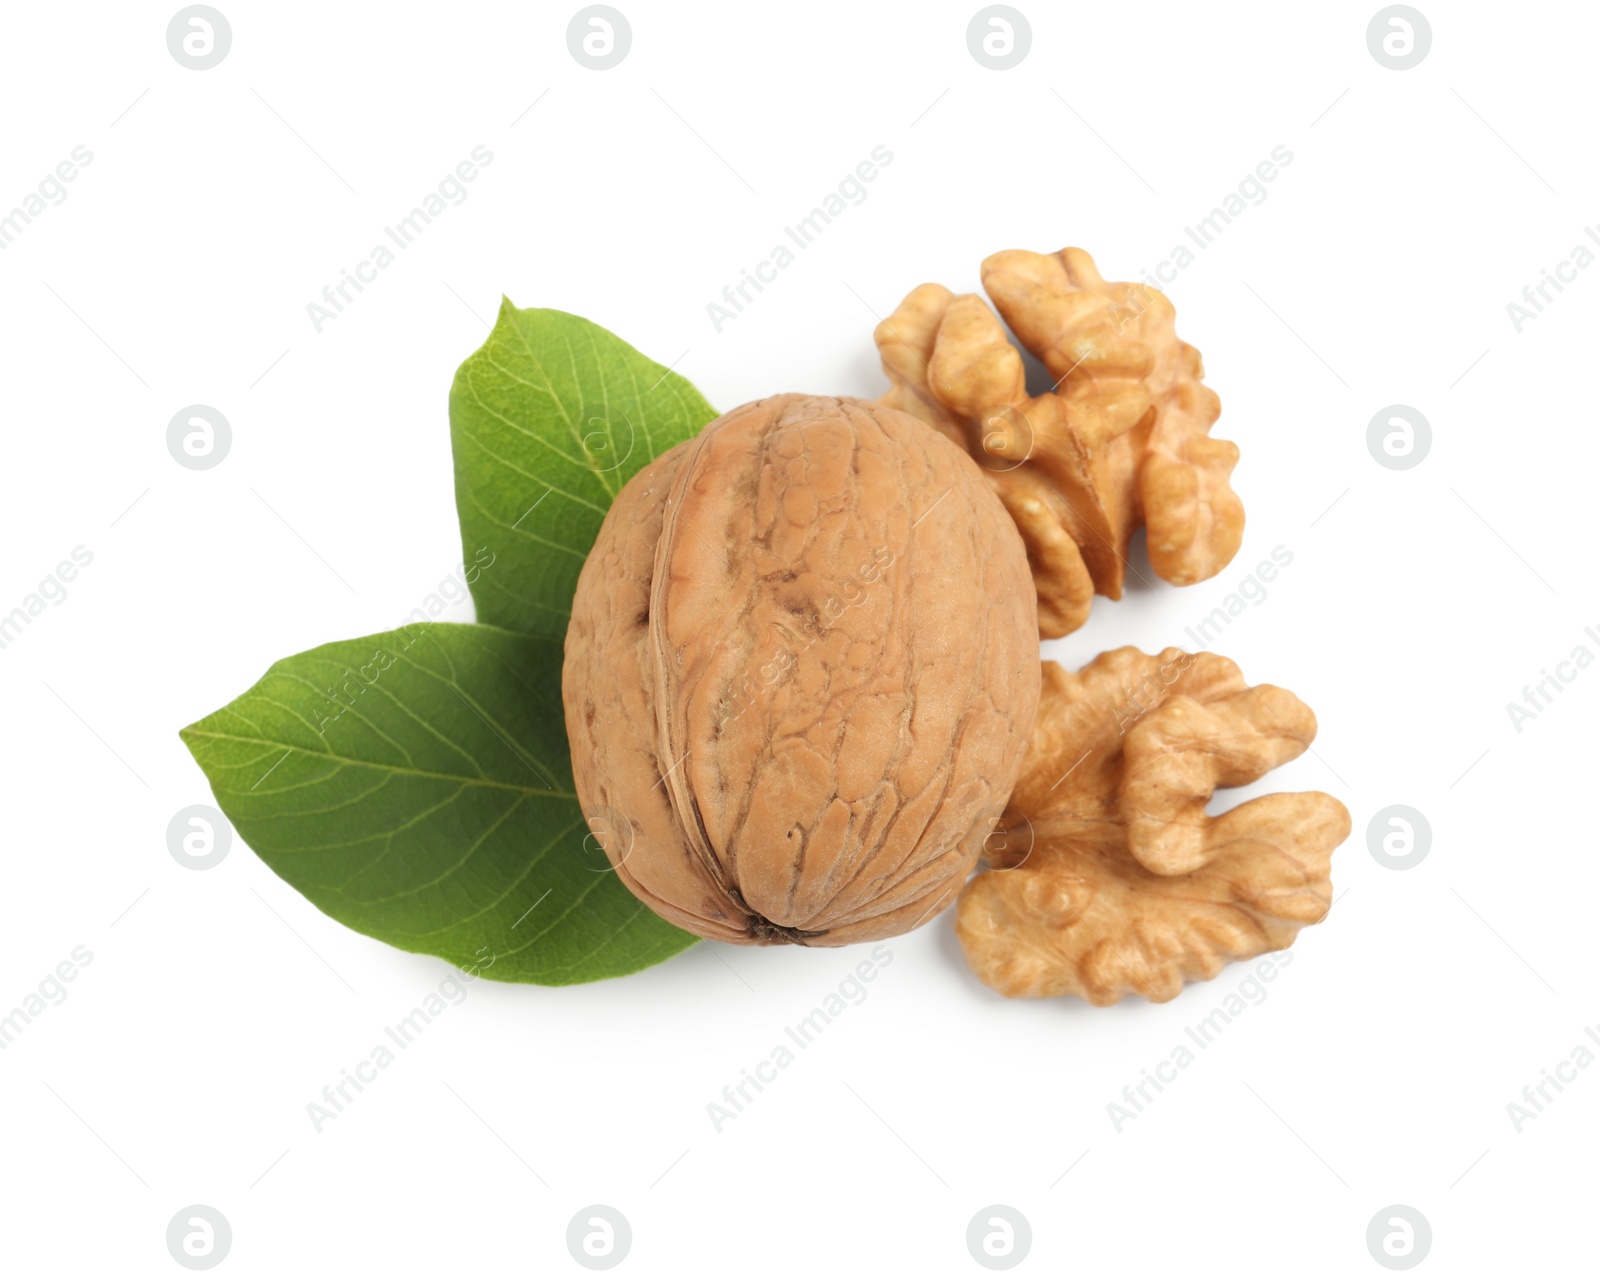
1106 876
1120 440
801 672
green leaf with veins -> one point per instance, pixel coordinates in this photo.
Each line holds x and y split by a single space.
548 419
416 786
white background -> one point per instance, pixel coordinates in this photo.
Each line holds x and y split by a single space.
1418 204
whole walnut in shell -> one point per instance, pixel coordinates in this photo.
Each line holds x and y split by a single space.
801 672
1106 874
1120 440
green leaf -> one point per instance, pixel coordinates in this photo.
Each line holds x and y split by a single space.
548 419
415 785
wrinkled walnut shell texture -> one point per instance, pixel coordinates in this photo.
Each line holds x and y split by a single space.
801 672
1107 877
1120 440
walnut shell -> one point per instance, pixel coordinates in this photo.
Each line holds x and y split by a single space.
1106 874
1120 440
801 672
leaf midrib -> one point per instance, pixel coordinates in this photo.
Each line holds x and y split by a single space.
380 766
